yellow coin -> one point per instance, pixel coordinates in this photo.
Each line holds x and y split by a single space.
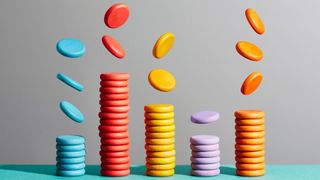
249 51
158 116
162 80
254 20
159 108
159 141
161 154
244 147
249 128
249 114
160 128
251 173
160 135
161 122
167 147
169 172
160 166
166 160
163 45
250 122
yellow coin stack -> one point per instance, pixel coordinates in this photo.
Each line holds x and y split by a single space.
160 138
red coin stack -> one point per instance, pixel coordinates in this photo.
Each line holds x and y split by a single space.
113 128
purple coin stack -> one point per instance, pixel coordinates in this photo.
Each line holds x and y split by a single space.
205 159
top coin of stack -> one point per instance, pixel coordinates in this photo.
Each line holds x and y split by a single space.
159 120
249 147
114 101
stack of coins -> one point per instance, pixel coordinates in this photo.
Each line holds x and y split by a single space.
160 138
249 143
205 159
114 101
70 155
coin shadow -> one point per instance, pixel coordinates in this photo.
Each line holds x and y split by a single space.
183 170
37 169
138 170
228 170
93 170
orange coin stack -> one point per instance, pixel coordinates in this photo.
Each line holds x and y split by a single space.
114 109
249 147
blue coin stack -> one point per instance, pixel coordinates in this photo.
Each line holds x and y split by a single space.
70 155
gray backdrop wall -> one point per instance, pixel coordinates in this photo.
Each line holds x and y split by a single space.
208 71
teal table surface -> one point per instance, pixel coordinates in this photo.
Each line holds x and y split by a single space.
273 172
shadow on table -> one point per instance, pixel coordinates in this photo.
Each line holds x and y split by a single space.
38 169
228 170
185 170
93 170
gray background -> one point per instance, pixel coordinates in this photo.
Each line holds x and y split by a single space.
208 71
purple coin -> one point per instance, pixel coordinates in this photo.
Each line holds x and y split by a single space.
204 139
205 117
213 147
214 172
205 154
205 160
205 166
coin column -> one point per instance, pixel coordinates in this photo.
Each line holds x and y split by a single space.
160 139
249 142
114 119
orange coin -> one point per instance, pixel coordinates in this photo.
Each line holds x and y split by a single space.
245 147
250 141
257 166
250 135
250 122
255 21
251 173
249 114
249 128
254 160
249 154
251 83
249 51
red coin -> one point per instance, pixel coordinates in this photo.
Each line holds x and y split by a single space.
115 173
116 15
119 160
115 167
117 76
111 97
114 83
113 46
111 129
113 115
115 103
114 122
115 142
115 148
117 135
115 109
114 90
114 154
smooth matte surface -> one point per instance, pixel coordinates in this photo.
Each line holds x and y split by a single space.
283 172
208 70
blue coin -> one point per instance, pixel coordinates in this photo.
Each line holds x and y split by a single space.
71 166
71 111
72 48
70 82
70 140
71 154
71 160
71 172
70 148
